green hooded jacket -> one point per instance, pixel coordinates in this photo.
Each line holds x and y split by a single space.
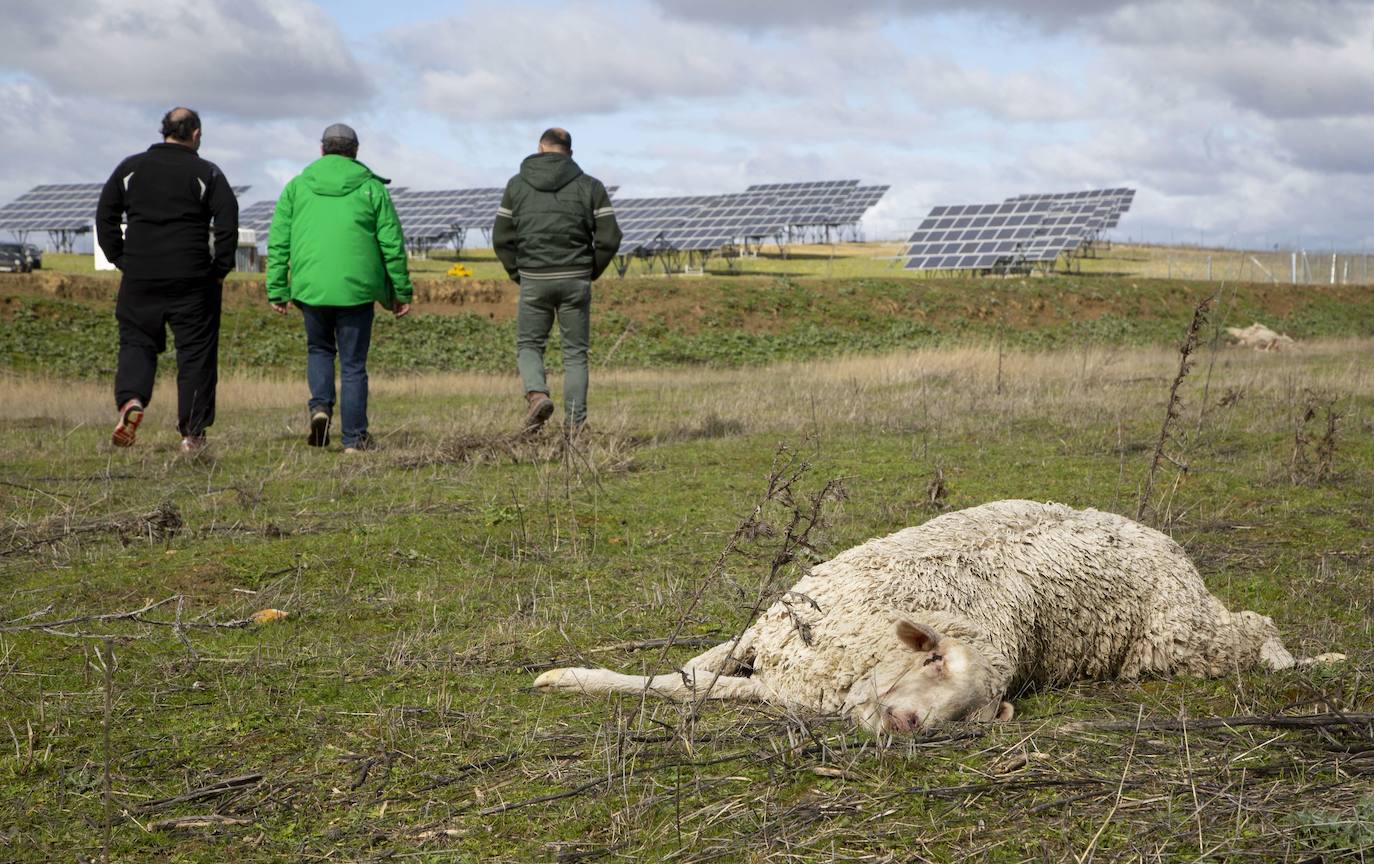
335 239
554 222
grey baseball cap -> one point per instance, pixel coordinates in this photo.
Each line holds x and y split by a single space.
342 131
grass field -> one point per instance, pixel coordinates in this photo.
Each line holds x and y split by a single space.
389 716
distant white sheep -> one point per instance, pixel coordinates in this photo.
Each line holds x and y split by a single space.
1261 338
940 621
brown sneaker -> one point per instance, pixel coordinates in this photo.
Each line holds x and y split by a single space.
193 444
539 409
130 415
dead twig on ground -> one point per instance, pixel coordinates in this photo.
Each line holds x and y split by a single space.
214 790
177 624
209 820
160 524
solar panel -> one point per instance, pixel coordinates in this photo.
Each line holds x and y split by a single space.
58 207
971 237
257 216
732 217
1023 229
859 202
644 221
809 203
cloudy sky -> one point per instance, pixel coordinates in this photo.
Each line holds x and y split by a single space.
1240 122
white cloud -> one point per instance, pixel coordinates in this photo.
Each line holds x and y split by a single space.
536 63
250 58
800 14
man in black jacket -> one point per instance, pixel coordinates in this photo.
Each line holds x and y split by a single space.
555 233
171 275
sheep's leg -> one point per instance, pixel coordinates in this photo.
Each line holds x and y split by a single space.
1321 659
727 658
1274 656
686 686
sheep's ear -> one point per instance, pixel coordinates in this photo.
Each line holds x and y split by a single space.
917 637
1005 712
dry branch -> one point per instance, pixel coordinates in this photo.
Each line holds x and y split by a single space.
209 820
214 790
177 625
1172 408
162 523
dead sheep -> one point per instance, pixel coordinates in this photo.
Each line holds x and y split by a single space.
941 621
1261 338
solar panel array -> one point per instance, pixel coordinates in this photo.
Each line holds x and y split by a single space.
697 223
57 207
1020 231
433 215
766 210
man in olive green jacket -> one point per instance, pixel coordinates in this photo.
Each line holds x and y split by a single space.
335 248
555 233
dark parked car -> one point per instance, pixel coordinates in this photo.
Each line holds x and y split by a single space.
13 258
35 256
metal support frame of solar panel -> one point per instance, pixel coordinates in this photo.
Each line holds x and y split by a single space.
973 237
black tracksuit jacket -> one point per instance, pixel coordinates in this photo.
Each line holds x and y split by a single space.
171 196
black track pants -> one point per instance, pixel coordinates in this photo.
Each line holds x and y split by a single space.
191 307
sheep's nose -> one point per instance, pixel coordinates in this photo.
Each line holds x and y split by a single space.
903 721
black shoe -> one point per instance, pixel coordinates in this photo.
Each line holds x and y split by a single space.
319 429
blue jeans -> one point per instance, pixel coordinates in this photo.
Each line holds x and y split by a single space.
345 332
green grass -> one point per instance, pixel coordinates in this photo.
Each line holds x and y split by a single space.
714 321
390 715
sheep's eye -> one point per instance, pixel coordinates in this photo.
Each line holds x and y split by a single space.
934 658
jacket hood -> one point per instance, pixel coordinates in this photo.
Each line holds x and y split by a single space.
549 172
335 175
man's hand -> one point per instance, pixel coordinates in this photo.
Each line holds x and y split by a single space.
279 308
401 310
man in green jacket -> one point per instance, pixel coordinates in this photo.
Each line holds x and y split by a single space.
335 248
555 233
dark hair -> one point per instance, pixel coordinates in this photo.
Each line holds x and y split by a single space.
556 137
339 147
180 124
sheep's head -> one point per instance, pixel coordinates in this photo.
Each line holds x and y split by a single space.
931 678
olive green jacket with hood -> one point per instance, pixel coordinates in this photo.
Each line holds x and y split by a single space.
555 222
335 239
